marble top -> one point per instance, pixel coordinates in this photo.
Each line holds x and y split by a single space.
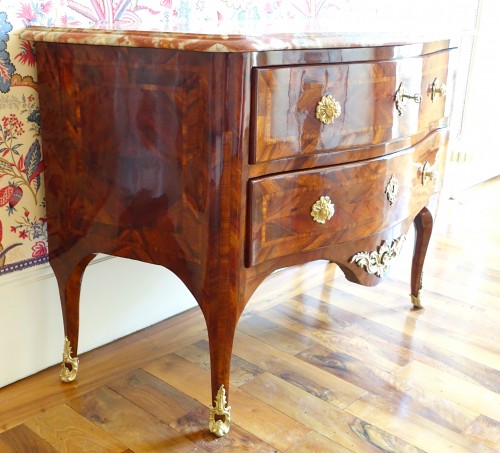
247 36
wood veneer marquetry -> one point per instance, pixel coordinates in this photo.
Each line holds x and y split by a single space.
281 204
286 99
208 163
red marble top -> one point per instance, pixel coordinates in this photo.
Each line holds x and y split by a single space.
236 37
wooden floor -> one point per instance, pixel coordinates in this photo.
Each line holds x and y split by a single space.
319 365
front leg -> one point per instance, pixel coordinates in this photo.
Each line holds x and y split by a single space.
69 276
221 326
423 229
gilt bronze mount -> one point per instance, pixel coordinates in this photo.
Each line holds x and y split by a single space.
378 262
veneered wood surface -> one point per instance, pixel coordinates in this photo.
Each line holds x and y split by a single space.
281 205
286 99
147 154
141 145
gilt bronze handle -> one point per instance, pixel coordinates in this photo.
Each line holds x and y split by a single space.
437 89
328 109
401 97
428 172
323 210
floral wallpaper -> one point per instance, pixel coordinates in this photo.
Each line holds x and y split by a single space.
23 226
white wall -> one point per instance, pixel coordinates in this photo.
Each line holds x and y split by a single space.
118 297
477 147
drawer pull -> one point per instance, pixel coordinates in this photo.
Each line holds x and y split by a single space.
428 172
327 109
401 97
392 189
323 210
437 89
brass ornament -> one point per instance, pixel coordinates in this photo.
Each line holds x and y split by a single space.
437 89
220 427
428 172
392 189
69 368
415 300
323 209
378 262
401 98
328 109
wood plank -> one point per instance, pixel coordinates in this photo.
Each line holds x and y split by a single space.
317 414
438 382
289 282
314 442
486 431
324 332
465 293
184 376
248 412
193 426
241 370
394 391
22 440
69 432
310 378
380 345
271 333
129 424
153 395
393 294
412 428
382 439
344 337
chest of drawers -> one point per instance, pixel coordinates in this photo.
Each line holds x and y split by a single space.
224 158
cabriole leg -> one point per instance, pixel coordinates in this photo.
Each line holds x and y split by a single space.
69 279
221 328
423 229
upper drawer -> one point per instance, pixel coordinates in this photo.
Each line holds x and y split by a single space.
286 98
363 193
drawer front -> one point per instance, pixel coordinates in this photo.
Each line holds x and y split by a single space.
280 220
286 98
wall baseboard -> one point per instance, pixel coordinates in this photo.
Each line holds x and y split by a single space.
118 297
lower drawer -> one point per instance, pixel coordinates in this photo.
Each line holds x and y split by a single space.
367 197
